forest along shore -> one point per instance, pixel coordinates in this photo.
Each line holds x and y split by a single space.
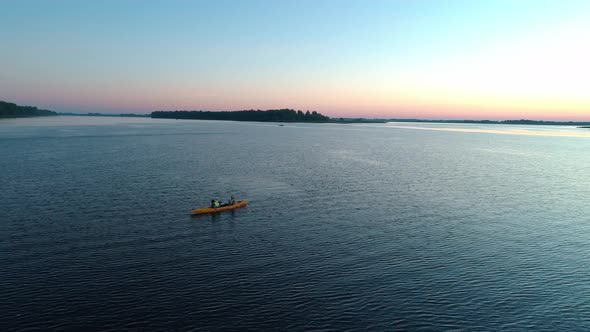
12 110
280 115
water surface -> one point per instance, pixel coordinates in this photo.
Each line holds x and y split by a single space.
348 227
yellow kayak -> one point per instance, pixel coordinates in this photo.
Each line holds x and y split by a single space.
206 210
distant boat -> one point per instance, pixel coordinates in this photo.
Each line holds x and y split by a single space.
281 125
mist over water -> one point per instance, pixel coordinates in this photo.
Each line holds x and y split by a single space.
348 227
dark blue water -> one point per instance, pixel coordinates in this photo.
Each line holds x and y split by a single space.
348 227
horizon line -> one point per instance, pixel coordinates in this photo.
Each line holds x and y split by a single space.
348 117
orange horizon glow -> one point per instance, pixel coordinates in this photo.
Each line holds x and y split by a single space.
458 61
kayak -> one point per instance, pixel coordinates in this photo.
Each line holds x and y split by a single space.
206 210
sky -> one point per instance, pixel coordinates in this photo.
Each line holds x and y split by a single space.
443 59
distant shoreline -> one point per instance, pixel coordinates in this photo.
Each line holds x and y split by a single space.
341 120
132 115
503 122
273 115
12 111
117 115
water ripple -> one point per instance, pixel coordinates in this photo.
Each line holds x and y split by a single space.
347 228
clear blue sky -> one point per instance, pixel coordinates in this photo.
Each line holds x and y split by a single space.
370 58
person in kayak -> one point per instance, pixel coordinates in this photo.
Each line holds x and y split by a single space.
231 201
214 203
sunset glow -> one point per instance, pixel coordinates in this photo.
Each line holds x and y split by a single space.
387 59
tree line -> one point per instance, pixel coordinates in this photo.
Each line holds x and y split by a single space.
11 110
510 122
280 115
